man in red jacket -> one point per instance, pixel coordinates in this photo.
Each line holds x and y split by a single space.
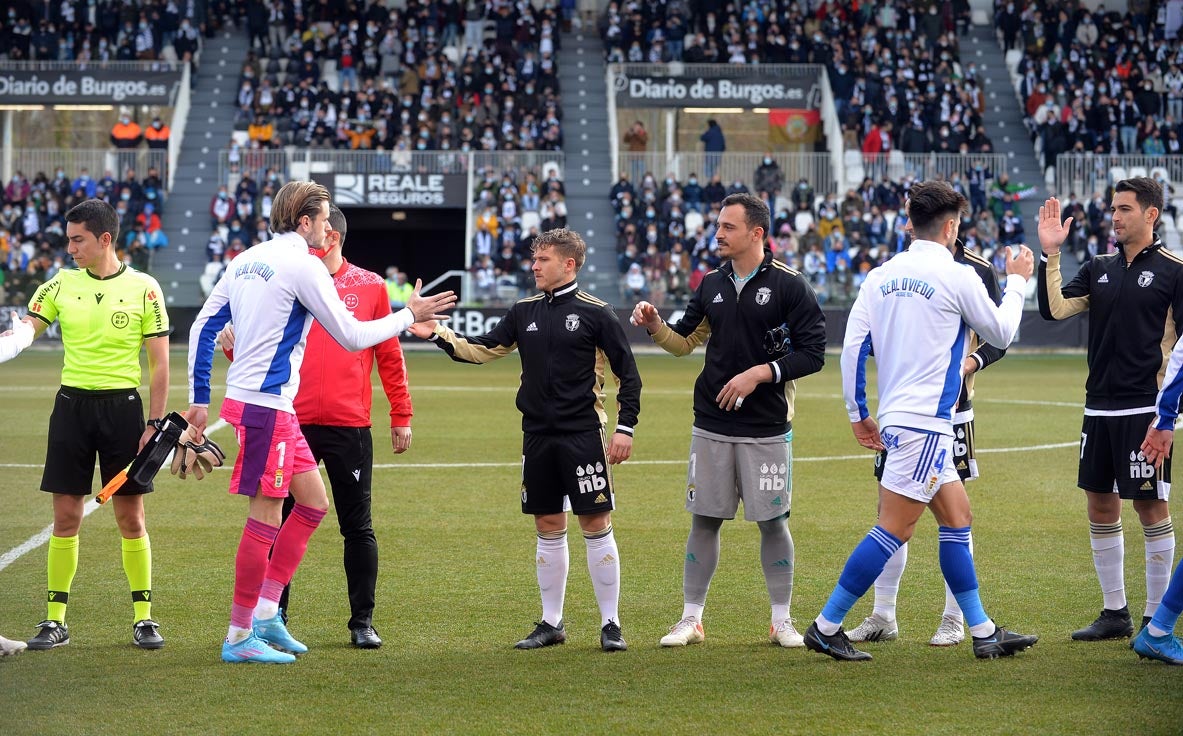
333 406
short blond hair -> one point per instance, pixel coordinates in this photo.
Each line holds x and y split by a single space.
295 200
567 243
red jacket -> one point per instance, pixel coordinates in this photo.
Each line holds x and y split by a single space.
335 383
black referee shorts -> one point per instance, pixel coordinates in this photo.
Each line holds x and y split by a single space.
558 467
85 423
1111 459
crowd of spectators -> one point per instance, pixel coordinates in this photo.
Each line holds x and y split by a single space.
102 30
512 209
379 78
33 225
665 228
1096 81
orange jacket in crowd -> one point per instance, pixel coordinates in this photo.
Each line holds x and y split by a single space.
157 138
126 135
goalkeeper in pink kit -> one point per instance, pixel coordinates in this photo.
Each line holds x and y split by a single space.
272 292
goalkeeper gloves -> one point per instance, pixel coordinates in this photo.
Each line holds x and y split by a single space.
195 458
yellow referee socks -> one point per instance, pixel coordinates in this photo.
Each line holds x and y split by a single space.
63 563
137 564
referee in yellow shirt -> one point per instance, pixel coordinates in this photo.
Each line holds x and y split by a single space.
106 311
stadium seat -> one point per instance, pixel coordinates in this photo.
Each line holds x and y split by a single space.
979 17
241 137
783 203
855 175
852 157
1168 223
1117 173
692 221
1049 179
548 166
530 219
889 219
801 222
1138 171
1160 172
1013 57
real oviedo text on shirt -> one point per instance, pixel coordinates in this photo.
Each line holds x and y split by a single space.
907 287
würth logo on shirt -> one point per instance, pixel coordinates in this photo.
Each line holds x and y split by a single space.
533 327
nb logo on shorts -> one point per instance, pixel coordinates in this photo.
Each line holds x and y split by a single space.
772 477
591 479
1139 468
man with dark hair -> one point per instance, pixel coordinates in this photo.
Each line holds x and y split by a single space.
333 407
766 331
1134 298
911 310
562 334
107 312
881 624
273 292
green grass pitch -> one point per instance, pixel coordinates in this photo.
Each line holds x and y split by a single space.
457 587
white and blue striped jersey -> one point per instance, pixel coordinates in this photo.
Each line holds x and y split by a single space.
272 292
914 314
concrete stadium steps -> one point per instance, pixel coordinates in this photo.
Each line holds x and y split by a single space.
588 176
186 213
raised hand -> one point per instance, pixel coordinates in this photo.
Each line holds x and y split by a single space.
428 307
1052 232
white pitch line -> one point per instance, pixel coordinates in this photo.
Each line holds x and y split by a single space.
42 537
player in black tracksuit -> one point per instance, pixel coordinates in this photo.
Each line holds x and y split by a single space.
565 338
766 330
1134 299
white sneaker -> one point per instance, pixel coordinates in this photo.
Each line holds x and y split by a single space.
9 647
686 631
784 634
949 633
874 628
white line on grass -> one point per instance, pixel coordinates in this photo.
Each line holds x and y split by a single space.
42 537
39 539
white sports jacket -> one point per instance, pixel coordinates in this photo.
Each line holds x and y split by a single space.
272 292
912 315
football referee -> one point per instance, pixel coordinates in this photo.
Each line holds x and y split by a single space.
563 336
1134 298
107 311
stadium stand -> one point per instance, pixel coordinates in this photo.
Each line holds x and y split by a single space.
32 223
401 79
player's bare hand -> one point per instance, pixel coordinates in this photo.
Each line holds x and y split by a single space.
198 417
225 338
1052 232
645 315
620 448
423 330
733 393
969 366
1157 445
430 307
400 439
866 433
1022 264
